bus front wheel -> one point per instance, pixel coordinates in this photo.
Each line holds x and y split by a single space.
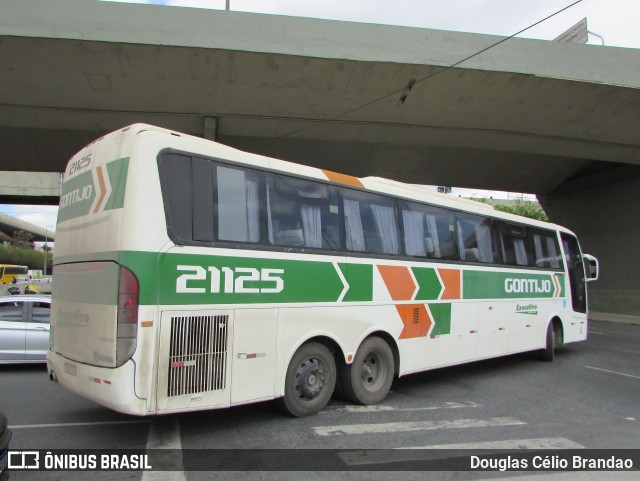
553 342
368 379
309 382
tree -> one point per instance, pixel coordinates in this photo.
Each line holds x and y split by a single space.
22 239
532 210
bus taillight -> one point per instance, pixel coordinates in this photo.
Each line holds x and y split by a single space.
128 302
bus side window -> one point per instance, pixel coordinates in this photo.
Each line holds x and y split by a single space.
177 186
428 231
515 244
475 239
546 249
371 223
302 213
238 204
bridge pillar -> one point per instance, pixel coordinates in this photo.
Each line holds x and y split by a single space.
603 210
211 128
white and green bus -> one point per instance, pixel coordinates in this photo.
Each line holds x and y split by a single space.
189 275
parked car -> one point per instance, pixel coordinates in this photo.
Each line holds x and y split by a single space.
5 437
24 328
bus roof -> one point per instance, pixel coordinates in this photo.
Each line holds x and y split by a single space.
374 184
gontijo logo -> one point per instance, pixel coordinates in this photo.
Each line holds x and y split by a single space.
527 286
91 191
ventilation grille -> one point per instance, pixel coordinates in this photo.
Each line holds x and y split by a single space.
198 354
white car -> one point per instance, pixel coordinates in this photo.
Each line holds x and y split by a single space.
24 328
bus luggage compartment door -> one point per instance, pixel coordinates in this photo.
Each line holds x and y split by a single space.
194 364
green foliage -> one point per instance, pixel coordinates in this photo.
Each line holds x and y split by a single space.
23 256
22 239
532 210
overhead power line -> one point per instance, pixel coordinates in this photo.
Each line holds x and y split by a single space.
413 82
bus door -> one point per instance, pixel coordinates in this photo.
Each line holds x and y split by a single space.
194 364
575 270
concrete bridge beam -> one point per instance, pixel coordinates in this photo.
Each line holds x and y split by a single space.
17 187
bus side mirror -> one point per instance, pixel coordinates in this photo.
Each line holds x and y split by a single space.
591 266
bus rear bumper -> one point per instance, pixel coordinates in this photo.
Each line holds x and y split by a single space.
112 388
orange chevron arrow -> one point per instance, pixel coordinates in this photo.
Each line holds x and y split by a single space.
103 188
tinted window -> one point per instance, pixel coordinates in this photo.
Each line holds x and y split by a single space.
475 239
208 201
16 270
302 213
41 312
515 244
428 231
11 311
238 197
546 249
575 269
177 188
370 223
205 201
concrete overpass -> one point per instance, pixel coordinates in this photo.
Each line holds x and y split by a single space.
558 120
9 225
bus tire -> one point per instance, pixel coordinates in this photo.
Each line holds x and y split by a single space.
309 382
368 379
549 351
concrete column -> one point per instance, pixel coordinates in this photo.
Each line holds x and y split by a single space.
211 128
603 210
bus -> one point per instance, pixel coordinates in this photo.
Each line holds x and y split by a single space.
10 273
190 275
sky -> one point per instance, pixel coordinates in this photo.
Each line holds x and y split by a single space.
617 21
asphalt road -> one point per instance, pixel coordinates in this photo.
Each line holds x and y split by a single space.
589 397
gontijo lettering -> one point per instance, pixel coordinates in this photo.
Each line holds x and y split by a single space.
525 286
77 195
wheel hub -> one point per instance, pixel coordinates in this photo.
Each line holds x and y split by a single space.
370 370
310 379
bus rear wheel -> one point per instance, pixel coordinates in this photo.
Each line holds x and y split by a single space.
368 379
309 382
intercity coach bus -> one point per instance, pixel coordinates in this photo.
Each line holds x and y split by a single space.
190 275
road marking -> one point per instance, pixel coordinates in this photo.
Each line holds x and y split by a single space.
383 408
350 429
533 443
70 425
164 433
595 332
424 453
613 372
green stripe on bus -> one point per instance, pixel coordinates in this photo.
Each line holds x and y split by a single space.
239 280
117 171
428 282
442 319
206 279
360 280
511 285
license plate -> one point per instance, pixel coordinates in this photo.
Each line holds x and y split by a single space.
70 368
